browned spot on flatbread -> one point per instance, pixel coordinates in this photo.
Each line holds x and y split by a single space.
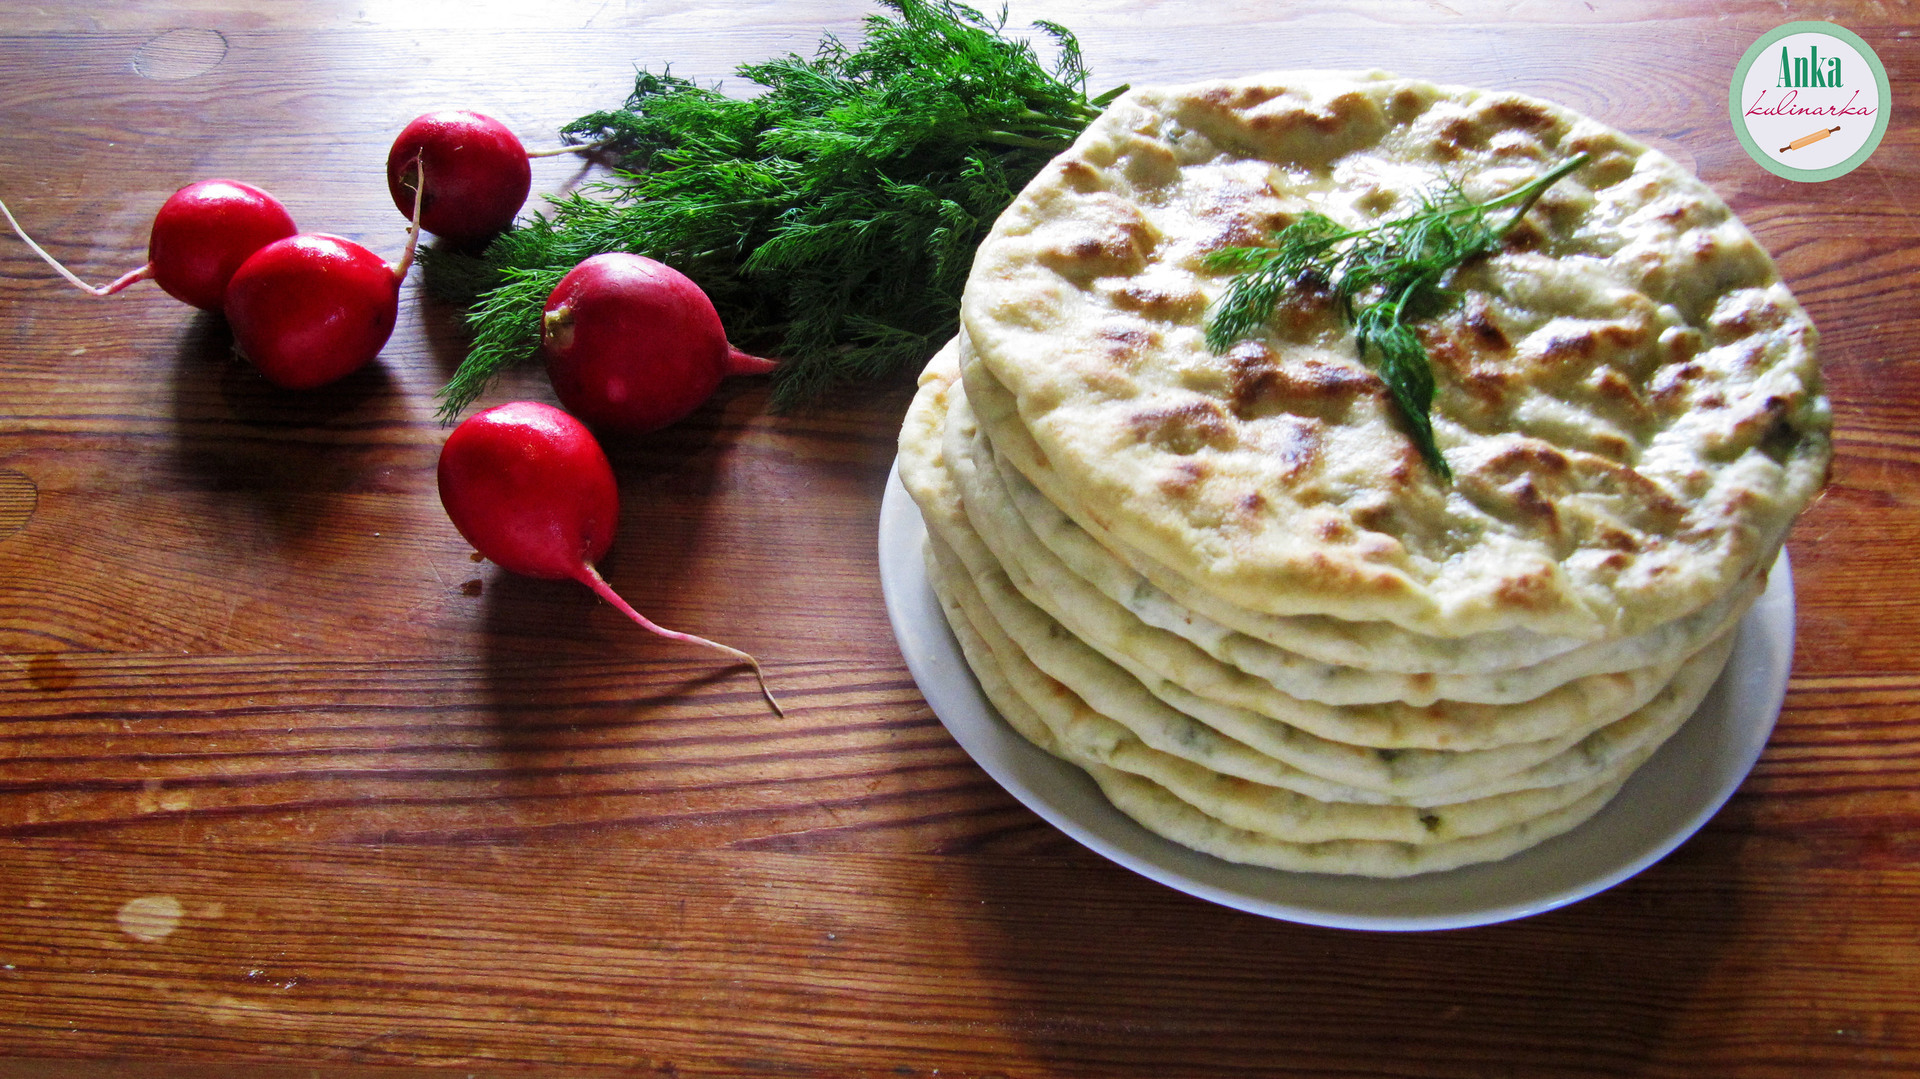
1610 446
1767 424
1487 384
1514 145
1106 235
1616 539
1611 385
1482 330
1582 342
1406 465
1523 237
1335 117
1752 313
1521 113
1180 481
1750 354
1079 176
1183 428
1683 211
1527 456
1123 342
1617 392
1526 468
1237 213
1405 104
1457 133
1374 516
1671 381
1253 377
1742 500
1612 161
1474 350
1240 96
1344 573
1530 503
1260 385
1148 164
1156 302
1529 591
1377 200
1294 443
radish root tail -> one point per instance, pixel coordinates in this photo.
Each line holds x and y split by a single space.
741 363
592 579
125 279
140 274
413 230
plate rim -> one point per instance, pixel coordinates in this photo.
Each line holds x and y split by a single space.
1743 706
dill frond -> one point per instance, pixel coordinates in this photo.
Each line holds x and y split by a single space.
1383 278
832 217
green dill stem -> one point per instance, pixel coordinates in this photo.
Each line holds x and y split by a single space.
1400 303
1040 118
1008 138
1529 193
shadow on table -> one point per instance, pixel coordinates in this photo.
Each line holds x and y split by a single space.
281 458
443 331
1132 978
584 704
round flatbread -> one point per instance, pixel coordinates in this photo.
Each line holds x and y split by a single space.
1626 393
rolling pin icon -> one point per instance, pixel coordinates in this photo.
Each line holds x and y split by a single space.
1806 140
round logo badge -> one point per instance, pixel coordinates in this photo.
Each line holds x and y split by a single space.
1810 101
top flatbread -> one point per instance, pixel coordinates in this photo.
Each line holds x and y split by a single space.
1627 395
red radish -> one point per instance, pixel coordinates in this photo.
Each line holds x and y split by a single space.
201 235
476 175
529 487
633 344
312 308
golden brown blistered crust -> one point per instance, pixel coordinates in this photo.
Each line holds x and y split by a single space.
1259 385
1105 237
1627 395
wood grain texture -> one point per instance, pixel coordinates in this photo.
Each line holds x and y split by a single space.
292 786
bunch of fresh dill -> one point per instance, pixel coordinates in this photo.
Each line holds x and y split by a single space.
832 218
1383 278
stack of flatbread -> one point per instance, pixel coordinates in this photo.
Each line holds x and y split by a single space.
1228 586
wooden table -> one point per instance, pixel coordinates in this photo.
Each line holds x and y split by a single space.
290 785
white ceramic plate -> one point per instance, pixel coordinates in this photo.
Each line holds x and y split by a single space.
1666 801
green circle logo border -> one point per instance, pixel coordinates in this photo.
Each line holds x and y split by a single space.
1737 116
